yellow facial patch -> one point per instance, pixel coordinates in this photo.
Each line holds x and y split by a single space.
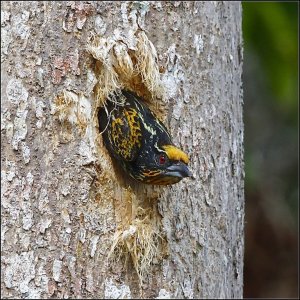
174 153
153 173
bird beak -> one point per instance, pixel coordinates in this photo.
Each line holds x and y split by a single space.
179 170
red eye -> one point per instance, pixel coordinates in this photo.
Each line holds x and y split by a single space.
162 159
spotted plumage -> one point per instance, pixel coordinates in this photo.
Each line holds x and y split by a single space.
136 138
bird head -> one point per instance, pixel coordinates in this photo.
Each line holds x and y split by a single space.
163 165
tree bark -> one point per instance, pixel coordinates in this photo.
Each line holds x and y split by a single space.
72 224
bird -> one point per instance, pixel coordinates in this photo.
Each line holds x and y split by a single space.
139 141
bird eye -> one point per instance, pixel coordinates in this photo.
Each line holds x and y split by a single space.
162 159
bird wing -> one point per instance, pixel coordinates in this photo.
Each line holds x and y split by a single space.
125 133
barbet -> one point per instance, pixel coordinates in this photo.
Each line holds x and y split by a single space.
140 142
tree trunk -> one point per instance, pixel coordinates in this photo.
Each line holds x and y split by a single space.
73 225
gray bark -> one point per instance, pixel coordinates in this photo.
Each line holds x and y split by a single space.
63 201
